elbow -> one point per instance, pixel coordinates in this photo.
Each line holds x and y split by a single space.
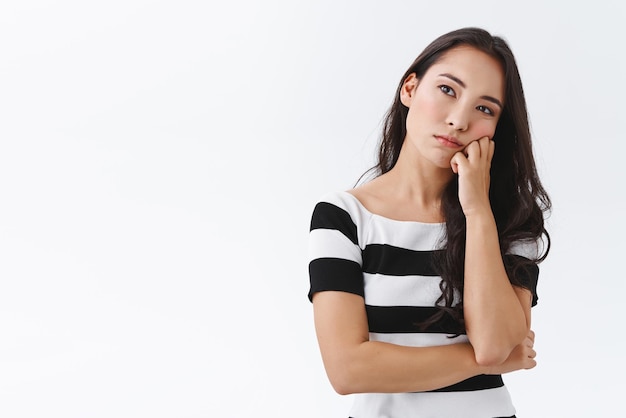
344 377
342 389
492 357
343 382
492 353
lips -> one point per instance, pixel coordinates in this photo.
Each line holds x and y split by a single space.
448 141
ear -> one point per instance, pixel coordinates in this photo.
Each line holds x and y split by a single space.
408 89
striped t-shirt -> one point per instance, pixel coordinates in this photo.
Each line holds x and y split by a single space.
389 263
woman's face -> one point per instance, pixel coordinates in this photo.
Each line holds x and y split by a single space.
457 101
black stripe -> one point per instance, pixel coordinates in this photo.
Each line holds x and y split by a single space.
407 319
480 382
328 216
335 274
396 261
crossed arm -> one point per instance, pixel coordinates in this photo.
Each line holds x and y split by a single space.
497 318
354 364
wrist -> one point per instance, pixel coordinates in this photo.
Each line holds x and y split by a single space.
481 215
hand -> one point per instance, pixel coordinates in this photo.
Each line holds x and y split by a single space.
473 165
522 357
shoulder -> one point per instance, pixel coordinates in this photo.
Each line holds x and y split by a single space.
342 199
340 211
341 204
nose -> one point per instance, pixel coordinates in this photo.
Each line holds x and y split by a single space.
458 119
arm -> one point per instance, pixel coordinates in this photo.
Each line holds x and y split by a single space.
356 365
497 314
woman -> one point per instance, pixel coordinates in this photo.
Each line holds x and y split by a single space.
422 279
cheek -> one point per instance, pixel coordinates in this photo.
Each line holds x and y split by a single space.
431 106
424 112
484 128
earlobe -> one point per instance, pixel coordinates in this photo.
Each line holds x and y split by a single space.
408 88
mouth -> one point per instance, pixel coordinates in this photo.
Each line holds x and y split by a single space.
448 141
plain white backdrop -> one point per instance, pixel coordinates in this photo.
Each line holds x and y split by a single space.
159 161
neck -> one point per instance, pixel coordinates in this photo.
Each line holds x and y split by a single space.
417 179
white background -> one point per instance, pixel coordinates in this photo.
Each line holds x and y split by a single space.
159 161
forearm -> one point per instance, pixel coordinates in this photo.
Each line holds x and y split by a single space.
495 319
378 367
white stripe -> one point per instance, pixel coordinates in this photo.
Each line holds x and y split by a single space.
411 235
528 248
382 290
332 243
417 339
474 404
376 229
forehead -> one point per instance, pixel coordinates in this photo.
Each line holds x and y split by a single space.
479 72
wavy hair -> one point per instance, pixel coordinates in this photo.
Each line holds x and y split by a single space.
518 199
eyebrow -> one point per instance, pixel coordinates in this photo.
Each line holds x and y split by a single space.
462 84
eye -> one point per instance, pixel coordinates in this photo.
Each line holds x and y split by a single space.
447 90
485 109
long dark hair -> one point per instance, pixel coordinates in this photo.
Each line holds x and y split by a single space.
518 199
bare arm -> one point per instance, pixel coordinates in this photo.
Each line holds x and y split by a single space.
497 314
356 365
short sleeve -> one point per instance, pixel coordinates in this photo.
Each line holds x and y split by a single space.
335 258
521 267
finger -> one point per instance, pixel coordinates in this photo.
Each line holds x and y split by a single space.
529 343
472 150
458 161
531 335
492 150
484 146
